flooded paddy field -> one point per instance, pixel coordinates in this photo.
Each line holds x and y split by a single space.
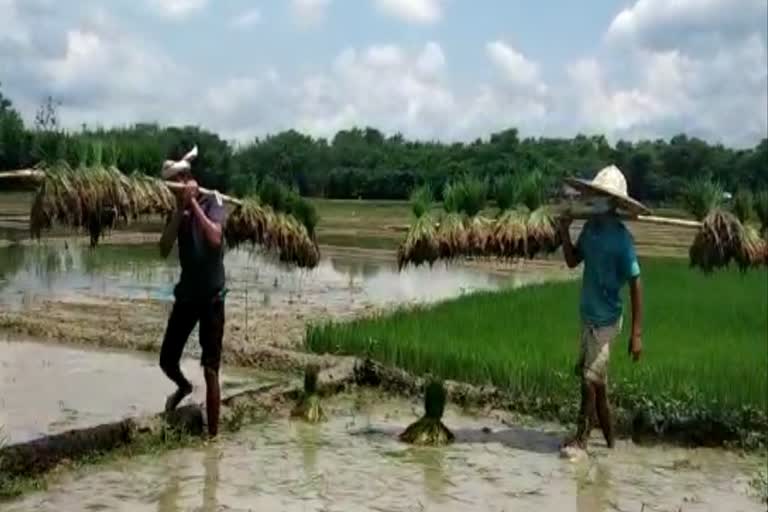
48 388
120 294
355 462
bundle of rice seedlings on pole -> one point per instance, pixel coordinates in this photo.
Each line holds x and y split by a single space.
452 236
471 195
451 233
420 244
761 210
742 205
308 407
480 240
542 232
429 429
259 225
96 198
753 249
510 234
722 238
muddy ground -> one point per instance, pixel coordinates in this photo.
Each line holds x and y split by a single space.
355 462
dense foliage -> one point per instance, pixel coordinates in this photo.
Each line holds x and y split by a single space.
364 163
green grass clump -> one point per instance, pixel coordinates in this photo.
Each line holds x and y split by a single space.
704 342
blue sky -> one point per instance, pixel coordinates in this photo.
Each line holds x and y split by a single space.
431 69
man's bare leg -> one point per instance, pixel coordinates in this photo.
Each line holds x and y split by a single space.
604 413
584 423
212 400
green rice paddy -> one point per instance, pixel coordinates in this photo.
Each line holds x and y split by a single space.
705 341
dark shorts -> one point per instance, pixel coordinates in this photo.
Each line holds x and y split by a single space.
184 316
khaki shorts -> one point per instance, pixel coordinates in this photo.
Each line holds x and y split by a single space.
596 350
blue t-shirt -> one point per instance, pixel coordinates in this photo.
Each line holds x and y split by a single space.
608 251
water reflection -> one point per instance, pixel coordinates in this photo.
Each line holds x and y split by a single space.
211 478
60 270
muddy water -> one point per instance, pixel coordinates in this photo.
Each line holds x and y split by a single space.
50 388
64 271
354 462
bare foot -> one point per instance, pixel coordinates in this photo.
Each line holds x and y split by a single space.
175 398
574 441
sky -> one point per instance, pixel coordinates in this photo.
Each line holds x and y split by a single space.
450 70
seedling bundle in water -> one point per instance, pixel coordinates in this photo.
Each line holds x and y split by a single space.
429 429
308 408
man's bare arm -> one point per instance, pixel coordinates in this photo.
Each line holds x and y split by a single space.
571 253
168 238
636 296
211 229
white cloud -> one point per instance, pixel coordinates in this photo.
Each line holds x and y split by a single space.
412 11
310 12
680 66
637 84
176 9
515 67
247 19
678 24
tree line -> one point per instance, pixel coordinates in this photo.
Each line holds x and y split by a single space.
364 163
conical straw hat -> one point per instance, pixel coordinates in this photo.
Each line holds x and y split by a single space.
610 181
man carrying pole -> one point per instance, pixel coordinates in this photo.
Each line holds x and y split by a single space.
607 250
199 294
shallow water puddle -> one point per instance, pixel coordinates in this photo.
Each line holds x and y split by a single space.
354 462
62 270
51 388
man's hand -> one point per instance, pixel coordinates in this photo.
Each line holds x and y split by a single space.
565 223
189 193
635 347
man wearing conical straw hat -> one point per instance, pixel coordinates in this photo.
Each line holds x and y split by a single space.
199 295
606 248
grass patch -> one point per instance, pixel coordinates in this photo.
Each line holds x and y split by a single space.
705 343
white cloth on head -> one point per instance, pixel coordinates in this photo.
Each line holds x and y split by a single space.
171 168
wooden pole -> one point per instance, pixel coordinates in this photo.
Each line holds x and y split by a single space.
36 175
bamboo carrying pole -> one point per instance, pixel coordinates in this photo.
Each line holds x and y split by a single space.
35 174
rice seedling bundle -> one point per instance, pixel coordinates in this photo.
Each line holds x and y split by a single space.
96 198
720 240
753 249
510 234
420 244
761 210
480 236
308 407
452 236
256 224
429 430
543 235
